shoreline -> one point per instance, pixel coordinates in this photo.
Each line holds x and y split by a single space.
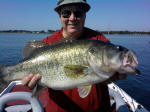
52 31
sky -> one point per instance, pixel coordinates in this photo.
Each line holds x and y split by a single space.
114 15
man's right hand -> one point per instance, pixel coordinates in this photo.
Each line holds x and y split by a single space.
30 80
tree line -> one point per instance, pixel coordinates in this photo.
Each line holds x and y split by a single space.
52 31
26 31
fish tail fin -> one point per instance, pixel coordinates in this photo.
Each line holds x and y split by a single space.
2 69
3 83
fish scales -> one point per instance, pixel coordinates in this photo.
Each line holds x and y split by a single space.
66 56
58 58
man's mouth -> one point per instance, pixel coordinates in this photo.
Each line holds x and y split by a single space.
72 24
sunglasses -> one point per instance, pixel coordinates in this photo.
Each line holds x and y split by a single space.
77 13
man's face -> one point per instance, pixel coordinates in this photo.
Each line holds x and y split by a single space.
72 18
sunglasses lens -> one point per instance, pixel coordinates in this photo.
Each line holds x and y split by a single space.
67 13
79 13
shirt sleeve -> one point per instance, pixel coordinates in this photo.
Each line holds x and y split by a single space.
103 38
92 34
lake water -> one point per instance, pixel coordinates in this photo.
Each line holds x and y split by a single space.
11 45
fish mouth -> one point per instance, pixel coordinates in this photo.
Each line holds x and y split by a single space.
132 70
130 63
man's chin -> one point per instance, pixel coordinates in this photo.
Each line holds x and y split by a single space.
73 31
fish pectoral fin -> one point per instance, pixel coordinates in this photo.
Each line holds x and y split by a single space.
75 71
84 90
37 90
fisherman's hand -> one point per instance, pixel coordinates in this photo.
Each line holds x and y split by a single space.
115 77
30 80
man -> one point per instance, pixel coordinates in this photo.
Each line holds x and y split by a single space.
72 15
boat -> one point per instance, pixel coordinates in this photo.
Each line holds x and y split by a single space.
7 96
122 101
119 99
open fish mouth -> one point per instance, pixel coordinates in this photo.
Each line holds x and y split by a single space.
130 63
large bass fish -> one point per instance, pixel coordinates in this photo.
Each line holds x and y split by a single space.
72 64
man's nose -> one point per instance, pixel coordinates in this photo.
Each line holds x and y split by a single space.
72 16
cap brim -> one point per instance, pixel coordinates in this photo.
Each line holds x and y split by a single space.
87 6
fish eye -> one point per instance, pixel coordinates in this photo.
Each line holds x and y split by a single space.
118 47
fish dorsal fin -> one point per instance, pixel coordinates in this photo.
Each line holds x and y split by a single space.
75 71
84 90
31 46
34 45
